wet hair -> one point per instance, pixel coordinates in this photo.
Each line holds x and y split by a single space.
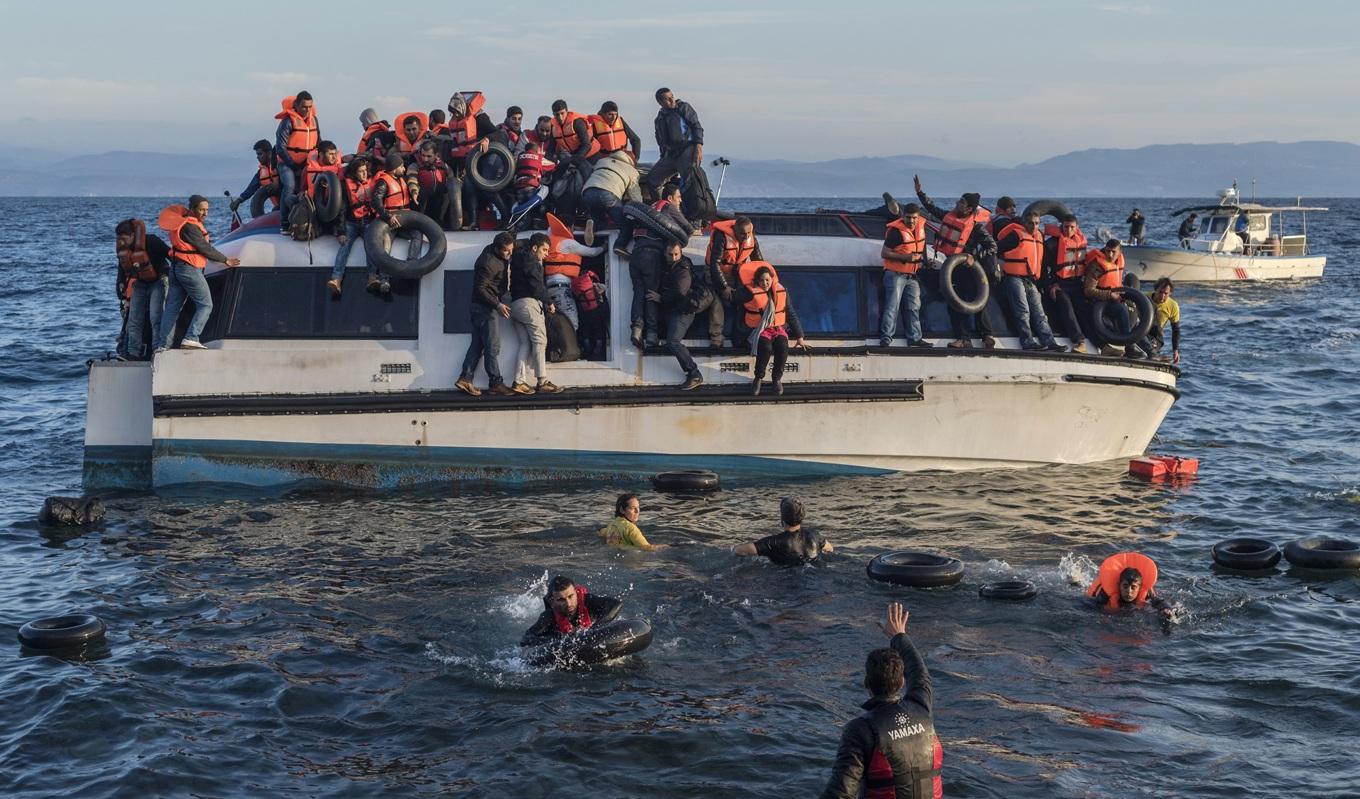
263 144
1113 244
503 238
790 511
514 109
538 240
324 145
437 117
1065 218
559 584
911 208
352 168
764 270
559 105
609 105
621 504
1163 283
883 672
125 228
661 92
302 95
1130 575
1005 202
195 199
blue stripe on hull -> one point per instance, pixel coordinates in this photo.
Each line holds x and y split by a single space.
109 466
266 463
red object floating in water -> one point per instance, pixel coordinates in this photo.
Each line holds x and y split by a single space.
1163 467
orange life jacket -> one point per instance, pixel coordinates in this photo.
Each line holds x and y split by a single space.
314 167
755 307
611 138
1114 565
558 262
305 135
398 196
735 253
407 146
1111 272
954 232
134 261
1026 259
442 129
913 245
369 142
172 220
359 197
464 131
565 138
1071 256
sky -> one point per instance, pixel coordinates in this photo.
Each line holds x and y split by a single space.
979 81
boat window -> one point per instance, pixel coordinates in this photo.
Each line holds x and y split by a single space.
457 301
1214 226
294 303
800 225
827 301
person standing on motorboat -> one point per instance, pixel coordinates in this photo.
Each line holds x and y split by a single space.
685 296
794 546
679 139
143 266
569 608
529 301
1137 227
358 213
295 140
266 177
963 230
1242 228
1021 245
771 319
1103 279
731 243
903 252
1186 233
1065 263
191 250
469 128
490 289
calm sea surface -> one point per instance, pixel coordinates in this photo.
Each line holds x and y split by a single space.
324 642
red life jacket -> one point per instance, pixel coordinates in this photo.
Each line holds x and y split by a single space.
172 220
134 261
359 198
610 138
583 620
1070 260
513 135
565 138
1026 259
913 245
1114 565
583 286
954 232
370 142
735 253
398 197
430 177
558 262
529 170
304 136
407 146
464 131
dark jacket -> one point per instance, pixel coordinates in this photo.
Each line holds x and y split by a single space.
718 243
490 278
686 288
1188 228
1137 224
980 242
602 609
159 254
741 294
678 128
902 729
526 277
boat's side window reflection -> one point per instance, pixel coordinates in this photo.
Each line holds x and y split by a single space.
827 302
1214 225
290 303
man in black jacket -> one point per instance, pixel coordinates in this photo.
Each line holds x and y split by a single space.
686 295
680 138
892 749
490 287
569 608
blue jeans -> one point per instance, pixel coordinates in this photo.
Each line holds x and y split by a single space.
1031 323
288 186
147 303
675 334
354 231
898 287
186 282
486 344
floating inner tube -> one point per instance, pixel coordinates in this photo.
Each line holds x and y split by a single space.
1246 554
1051 208
1009 589
1323 553
980 287
690 480
71 511
326 186
606 641
657 222
378 237
60 632
1136 330
491 171
917 569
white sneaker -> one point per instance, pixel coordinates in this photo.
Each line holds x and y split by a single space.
191 345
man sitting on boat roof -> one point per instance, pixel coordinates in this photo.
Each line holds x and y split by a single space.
265 179
569 608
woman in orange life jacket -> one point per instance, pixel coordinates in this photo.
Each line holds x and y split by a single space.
190 251
1103 279
1021 247
1064 264
265 179
296 138
963 230
358 185
1128 579
143 263
771 319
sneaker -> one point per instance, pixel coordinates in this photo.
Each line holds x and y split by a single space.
779 387
622 252
285 230
636 338
891 204
334 286
501 390
885 342
1111 350
1055 347
692 382
522 388
121 357
158 351
548 387
755 387
921 343
590 233
373 284
1032 347
188 344
464 385
989 342
384 287
960 344
1080 348
715 343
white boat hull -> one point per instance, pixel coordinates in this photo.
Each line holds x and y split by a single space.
1198 266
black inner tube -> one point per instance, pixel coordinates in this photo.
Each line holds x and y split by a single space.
1323 553
326 185
1053 208
689 480
1009 589
378 235
604 641
981 289
258 199
493 170
659 223
56 632
1136 331
1246 554
917 569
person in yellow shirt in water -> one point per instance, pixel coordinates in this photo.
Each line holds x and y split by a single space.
623 532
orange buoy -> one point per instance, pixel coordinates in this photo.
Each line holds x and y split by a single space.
1163 467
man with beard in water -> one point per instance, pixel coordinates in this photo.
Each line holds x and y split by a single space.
891 752
569 608
793 547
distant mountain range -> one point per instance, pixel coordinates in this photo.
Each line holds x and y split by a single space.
1310 169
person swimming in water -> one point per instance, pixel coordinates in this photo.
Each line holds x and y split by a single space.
793 547
623 532
1127 579
569 608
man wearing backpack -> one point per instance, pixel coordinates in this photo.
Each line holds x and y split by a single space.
685 294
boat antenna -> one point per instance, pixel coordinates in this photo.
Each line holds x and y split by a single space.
1253 189
720 161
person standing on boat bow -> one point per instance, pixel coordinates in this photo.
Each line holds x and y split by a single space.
295 140
1137 227
490 290
903 252
191 250
963 230
1186 233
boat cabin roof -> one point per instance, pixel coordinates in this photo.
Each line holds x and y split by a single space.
1247 208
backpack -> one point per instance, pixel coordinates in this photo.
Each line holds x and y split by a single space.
690 295
302 219
696 198
562 344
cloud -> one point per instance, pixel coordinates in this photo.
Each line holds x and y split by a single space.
1128 8
78 86
389 101
281 77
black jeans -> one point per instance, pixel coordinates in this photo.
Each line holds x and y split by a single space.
1069 305
670 165
778 346
644 268
675 334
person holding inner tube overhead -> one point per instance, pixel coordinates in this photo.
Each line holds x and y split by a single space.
623 532
1103 279
962 230
891 751
569 608
358 213
903 252
295 139
771 319
265 179
794 546
1021 245
1127 579
1065 262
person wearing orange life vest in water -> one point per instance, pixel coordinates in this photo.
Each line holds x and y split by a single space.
771 319
1021 246
730 244
378 136
265 179
612 133
190 251
1103 279
892 750
962 231
143 263
358 185
1128 579
569 608
295 139
1065 263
